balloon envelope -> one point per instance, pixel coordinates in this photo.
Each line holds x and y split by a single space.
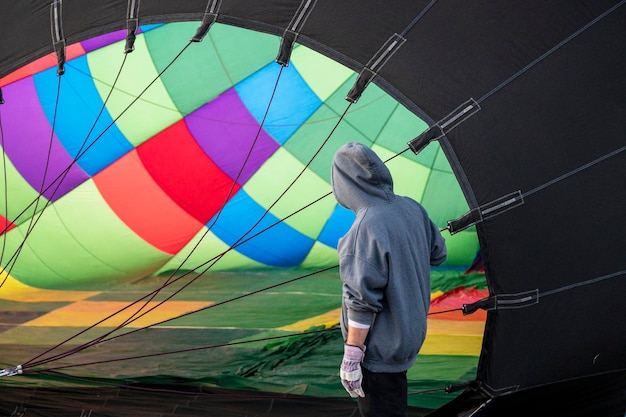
526 101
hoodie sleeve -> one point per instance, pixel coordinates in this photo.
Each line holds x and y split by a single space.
363 287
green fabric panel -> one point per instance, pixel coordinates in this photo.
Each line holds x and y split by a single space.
409 178
306 365
297 294
202 72
309 138
428 157
337 101
401 127
462 247
233 43
206 252
141 114
441 162
375 118
443 198
432 373
28 337
321 256
271 186
17 195
446 279
89 236
321 73
361 124
371 116
255 312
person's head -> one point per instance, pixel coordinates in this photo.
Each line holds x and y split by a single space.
359 177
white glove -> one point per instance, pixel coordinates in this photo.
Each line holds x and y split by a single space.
350 372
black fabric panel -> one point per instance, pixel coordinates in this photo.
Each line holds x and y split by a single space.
564 336
601 396
555 119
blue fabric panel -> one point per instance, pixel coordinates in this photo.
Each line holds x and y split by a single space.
280 245
78 106
337 225
292 104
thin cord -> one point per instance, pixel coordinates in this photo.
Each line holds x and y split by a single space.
151 355
103 338
549 52
135 316
417 18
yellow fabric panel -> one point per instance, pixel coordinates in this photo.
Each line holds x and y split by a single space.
456 327
452 345
449 337
14 290
87 313
327 319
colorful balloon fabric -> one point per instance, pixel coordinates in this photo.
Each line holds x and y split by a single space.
193 156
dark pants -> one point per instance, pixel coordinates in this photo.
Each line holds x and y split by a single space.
385 394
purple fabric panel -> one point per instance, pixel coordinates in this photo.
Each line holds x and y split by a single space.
27 143
226 130
104 40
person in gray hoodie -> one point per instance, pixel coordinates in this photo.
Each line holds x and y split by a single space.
384 264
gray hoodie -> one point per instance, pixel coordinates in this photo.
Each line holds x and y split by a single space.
385 259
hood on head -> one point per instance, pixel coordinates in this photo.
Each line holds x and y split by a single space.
359 177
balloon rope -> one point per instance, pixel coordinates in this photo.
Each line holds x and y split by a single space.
104 337
575 171
154 293
81 153
59 179
515 199
242 239
235 180
418 18
239 241
249 395
465 110
172 352
583 283
136 315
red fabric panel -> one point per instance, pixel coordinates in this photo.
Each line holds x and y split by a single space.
454 300
5 224
185 173
140 203
43 63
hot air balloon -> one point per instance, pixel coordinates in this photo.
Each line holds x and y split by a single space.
164 159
